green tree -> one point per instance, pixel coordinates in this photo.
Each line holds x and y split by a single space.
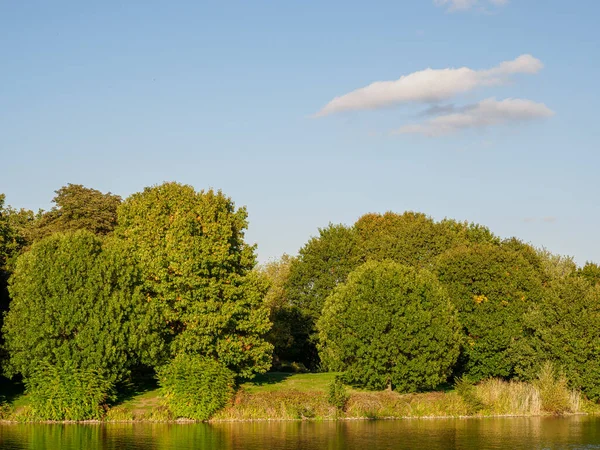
323 263
412 238
590 272
390 325
198 273
492 288
565 328
78 208
12 241
286 335
75 304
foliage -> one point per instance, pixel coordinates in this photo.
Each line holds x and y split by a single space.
556 267
198 275
390 325
564 329
12 241
65 392
492 287
590 272
78 208
285 332
196 387
322 264
412 238
73 304
337 394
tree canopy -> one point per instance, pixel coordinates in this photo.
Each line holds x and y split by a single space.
197 271
492 288
73 303
564 328
78 208
390 324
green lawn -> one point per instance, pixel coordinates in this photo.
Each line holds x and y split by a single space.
279 381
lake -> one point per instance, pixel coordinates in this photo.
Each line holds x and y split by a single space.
579 432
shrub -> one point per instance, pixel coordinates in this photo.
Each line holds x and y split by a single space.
338 395
390 325
195 387
67 393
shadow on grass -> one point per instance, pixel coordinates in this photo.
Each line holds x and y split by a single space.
139 383
10 390
270 378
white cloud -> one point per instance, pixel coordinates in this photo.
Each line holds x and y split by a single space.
483 114
463 5
429 86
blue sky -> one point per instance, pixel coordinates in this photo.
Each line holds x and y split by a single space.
122 95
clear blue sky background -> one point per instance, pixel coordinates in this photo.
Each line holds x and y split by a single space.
121 95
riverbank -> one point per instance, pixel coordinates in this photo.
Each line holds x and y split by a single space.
283 396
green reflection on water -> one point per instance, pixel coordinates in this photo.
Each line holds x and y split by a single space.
436 434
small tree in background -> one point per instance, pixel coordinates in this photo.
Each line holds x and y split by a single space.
390 325
77 208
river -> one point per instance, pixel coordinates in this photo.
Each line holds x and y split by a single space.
580 432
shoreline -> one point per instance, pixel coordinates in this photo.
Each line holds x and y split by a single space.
273 420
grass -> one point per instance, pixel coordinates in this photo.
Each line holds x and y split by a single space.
279 381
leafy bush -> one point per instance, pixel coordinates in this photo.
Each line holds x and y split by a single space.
338 395
67 393
195 387
390 325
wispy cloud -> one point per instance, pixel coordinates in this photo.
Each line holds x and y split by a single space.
480 115
463 5
429 86
547 219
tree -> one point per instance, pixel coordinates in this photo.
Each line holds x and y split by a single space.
12 241
390 325
78 208
492 288
74 304
287 334
590 272
554 266
565 328
323 263
190 248
412 238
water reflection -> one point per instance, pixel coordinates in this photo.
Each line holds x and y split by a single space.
436 434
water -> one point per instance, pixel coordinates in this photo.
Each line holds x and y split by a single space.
436 434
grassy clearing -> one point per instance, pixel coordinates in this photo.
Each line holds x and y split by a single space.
278 381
